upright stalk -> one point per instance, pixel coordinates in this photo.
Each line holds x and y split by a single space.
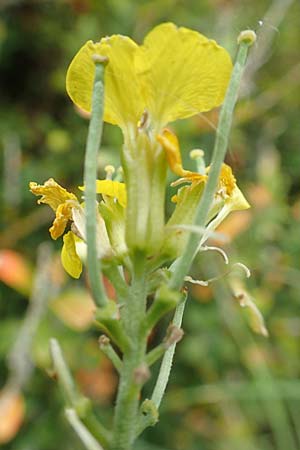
184 263
131 378
90 176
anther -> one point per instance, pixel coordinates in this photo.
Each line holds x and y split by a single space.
198 156
100 59
247 36
109 170
196 153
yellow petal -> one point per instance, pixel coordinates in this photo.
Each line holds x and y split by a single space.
122 92
69 258
227 181
237 200
114 189
52 193
170 143
111 188
63 215
182 72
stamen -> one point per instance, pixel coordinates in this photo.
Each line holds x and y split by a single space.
196 153
245 269
198 156
219 277
110 170
100 59
247 36
180 181
119 175
200 230
198 282
216 249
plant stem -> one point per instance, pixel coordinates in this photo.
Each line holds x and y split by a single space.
155 354
184 263
86 437
166 364
65 379
109 351
90 175
75 400
126 411
18 360
183 266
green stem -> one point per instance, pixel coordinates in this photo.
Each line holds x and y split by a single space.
155 354
65 379
133 313
112 272
85 436
90 175
220 147
109 351
75 400
150 418
166 364
184 263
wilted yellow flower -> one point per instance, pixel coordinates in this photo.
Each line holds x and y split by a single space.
176 73
227 198
59 199
114 189
170 144
68 209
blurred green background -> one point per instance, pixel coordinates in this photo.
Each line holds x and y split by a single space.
230 388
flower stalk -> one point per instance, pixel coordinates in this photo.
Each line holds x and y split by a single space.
78 408
90 177
219 152
127 239
184 263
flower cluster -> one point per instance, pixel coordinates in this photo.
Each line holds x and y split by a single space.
175 74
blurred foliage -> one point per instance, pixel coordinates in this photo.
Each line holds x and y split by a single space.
229 388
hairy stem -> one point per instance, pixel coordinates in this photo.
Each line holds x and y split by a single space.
126 411
184 263
76 402
90 175
166 364
85 436
183 266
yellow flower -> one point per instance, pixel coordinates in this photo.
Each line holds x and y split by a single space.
175 74
59 199
227 188
63 204
114 189
68 209
69 257
170 144
227 198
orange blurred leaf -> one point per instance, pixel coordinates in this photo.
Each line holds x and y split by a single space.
233 225
75 308
12 411
15 271
99 383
